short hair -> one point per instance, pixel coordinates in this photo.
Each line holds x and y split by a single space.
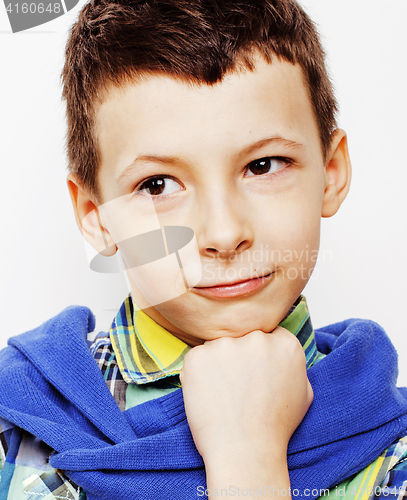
199 40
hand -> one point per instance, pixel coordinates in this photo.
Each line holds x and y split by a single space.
244 398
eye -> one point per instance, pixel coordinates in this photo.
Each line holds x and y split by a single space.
267 165
159 186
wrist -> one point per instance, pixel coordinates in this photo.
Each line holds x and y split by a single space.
248 469
254 451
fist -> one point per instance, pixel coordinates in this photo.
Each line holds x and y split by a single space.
244 394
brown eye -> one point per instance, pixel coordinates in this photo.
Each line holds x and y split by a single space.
156 186
267 165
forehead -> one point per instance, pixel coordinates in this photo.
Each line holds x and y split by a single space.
162 115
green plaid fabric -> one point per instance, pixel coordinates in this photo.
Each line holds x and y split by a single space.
26 473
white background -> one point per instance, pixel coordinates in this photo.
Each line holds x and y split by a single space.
362 272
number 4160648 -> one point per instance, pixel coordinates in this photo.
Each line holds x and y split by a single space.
33 8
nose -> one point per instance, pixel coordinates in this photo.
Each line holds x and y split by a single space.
225 227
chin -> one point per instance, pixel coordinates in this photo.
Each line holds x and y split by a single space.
238 328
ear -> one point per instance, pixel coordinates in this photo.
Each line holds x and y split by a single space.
338 172
88 218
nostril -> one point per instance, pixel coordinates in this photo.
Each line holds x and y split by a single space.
211 250
241 246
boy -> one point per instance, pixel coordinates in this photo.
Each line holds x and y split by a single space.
219 117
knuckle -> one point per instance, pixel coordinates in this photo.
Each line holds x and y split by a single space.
254 336
279 330
192 356
224 341
289 346
257 334
258 342
221 345
287 339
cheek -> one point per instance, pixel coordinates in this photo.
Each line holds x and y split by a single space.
159 281
162 264
126 218
292 232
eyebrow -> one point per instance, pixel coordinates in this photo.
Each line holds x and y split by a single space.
251 148
165 160
171 160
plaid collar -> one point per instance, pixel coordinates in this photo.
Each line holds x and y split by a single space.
146 352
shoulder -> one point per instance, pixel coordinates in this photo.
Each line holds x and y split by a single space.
69 327
356 331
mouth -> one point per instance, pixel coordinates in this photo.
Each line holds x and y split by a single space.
237 289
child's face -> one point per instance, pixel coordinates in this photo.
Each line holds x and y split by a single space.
240 163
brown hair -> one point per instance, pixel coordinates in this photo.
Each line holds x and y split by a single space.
199 40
